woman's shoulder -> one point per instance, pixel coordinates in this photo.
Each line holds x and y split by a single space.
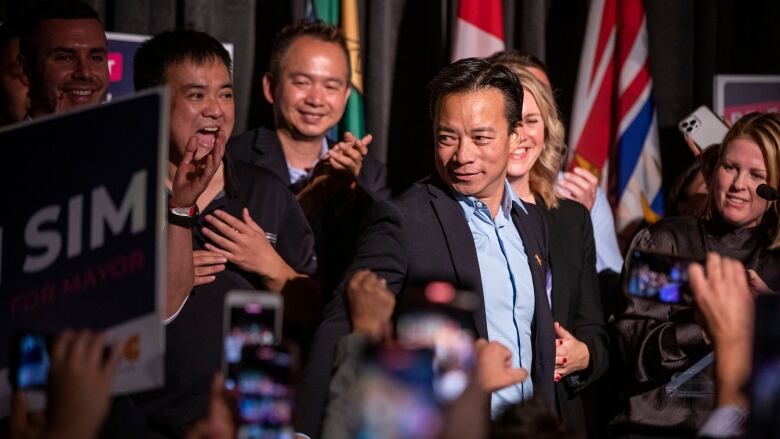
676 235
675 225
568 210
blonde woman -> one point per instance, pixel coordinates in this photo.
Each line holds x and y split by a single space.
572 284
657 341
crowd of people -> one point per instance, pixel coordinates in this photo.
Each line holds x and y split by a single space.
560 350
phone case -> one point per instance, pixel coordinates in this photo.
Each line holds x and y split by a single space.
704 127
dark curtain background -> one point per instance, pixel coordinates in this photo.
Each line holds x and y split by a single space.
405 43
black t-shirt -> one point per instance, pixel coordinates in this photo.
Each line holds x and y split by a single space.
194 337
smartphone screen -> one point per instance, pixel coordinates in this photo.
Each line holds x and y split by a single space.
397 395
440 318
658 277
30 361
249 324
260 381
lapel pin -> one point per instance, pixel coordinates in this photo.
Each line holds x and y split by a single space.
538 259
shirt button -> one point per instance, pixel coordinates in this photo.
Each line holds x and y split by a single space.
479 204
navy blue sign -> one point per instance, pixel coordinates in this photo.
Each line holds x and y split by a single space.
81 218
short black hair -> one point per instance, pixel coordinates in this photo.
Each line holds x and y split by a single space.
314 29
51 10
8 31
517 58
474 74
530 419
174 47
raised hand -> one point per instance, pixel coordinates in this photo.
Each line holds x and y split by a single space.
193 176
80 384
579 186
494 367
348 154
571 354
22 423
371 304
723 297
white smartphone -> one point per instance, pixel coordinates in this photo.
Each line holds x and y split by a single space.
703 127
251 318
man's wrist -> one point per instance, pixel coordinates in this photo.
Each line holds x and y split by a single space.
368 327
183 216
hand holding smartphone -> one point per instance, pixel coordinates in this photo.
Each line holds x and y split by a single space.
257 372
703 127
30 361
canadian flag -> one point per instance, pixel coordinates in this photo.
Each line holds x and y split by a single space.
479 30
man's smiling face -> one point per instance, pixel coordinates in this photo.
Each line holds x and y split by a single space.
69 65
311 91
473 141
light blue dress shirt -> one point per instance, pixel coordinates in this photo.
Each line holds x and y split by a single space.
507 286
607 250
298 174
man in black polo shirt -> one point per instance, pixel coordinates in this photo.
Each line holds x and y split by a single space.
251 233
308 85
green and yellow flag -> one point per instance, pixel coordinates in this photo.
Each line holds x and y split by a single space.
344 13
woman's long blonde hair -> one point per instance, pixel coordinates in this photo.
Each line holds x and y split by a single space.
544 172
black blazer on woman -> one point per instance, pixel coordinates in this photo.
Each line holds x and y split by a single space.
576 300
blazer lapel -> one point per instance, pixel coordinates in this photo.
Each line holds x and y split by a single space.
534 241
269 154
534 235
460 244
560 302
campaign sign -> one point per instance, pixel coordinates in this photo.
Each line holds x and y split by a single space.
738 95
81 229
121 51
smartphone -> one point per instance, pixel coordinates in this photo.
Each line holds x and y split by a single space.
440 318
396 394
29 361
765 381
261 383
250 318
659 277
703 127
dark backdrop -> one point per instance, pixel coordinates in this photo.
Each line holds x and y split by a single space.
405 42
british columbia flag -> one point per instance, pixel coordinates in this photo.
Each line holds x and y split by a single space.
613 127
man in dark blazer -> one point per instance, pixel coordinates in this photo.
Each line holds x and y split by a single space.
427 234
308 85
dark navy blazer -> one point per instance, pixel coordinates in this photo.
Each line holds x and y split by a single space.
421 236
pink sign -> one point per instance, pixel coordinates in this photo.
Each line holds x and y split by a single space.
115 66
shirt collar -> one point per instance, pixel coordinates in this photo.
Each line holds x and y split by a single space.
297 174
470 205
